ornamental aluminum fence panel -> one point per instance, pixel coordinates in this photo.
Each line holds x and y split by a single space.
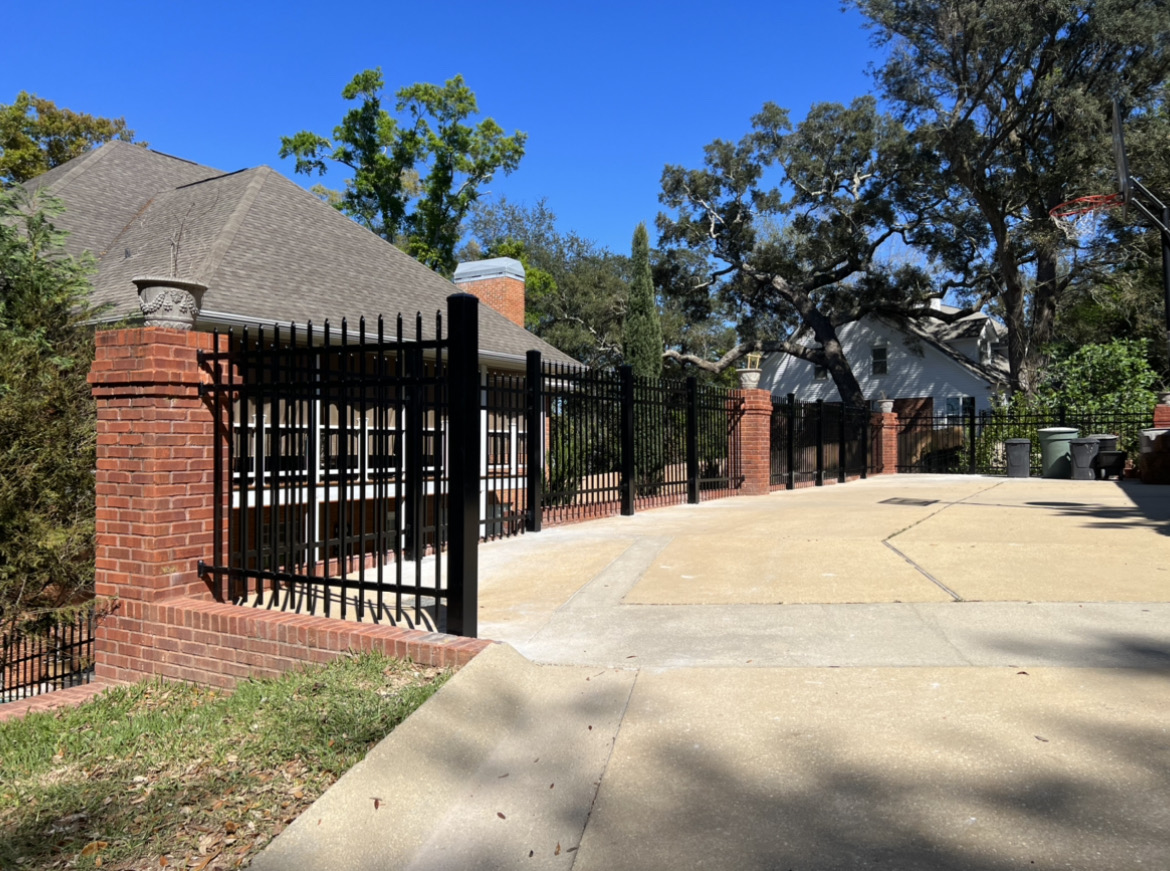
661 473
614 443
994 428
339 454
47 652
817 441
504 456
579 417
971 443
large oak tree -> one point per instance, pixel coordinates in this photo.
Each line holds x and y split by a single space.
800 227
1014 99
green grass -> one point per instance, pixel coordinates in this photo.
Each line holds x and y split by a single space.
172 775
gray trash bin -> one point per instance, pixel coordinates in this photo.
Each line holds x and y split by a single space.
1019 458
1083 451
1055 451
1105 441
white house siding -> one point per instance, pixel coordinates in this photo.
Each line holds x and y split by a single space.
912 372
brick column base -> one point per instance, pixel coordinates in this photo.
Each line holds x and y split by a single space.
755 442
885 442
1162 417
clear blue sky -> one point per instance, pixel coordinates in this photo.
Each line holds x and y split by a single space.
608 93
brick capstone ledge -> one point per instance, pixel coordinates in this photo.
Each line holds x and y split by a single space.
216 644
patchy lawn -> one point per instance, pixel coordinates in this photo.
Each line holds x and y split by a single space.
160 775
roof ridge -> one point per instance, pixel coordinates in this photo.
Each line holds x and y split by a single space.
223 242
80 164
951 354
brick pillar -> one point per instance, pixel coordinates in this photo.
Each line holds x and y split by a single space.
885 441
155 452
1162 417
755 442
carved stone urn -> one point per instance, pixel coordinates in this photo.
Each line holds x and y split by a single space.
169 302
1164 397
886 406
749 379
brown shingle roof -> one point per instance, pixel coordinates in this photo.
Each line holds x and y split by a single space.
268 250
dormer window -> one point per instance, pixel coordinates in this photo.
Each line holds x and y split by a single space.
880 360
821 373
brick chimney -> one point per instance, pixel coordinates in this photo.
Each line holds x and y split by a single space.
498 282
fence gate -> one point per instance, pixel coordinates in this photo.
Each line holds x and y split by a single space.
342 475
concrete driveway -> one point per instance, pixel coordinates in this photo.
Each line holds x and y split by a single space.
911 672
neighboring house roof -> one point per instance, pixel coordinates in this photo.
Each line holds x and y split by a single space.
940 333
268 250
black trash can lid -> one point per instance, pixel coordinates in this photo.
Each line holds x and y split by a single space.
1102 435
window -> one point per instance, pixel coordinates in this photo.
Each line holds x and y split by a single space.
880 361
821 373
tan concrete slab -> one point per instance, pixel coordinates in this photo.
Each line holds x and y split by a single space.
819 769
520 592
1031 572
723 570
1109 527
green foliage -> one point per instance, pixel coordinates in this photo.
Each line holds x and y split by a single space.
1114 377
47 429
415 177
642 339
35 136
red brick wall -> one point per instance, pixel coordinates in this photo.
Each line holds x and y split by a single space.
155 489
218 644
1162 417
504 294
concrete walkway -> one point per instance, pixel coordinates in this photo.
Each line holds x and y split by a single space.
910 672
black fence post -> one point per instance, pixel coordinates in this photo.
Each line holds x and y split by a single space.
841 445
820 475
692 441
627 428
790 447
463 426
971 438
534 406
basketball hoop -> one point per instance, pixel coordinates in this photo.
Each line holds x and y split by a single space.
1078 219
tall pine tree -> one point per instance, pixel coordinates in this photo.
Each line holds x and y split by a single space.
642 342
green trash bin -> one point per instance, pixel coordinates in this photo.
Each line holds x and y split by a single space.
1056 451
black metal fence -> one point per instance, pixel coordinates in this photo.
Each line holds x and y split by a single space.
48 652
578 412
971 443
616 443
344 463
812 442
993 428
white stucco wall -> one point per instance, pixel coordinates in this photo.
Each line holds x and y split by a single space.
912 372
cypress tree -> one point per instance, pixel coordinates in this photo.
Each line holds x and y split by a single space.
642 342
